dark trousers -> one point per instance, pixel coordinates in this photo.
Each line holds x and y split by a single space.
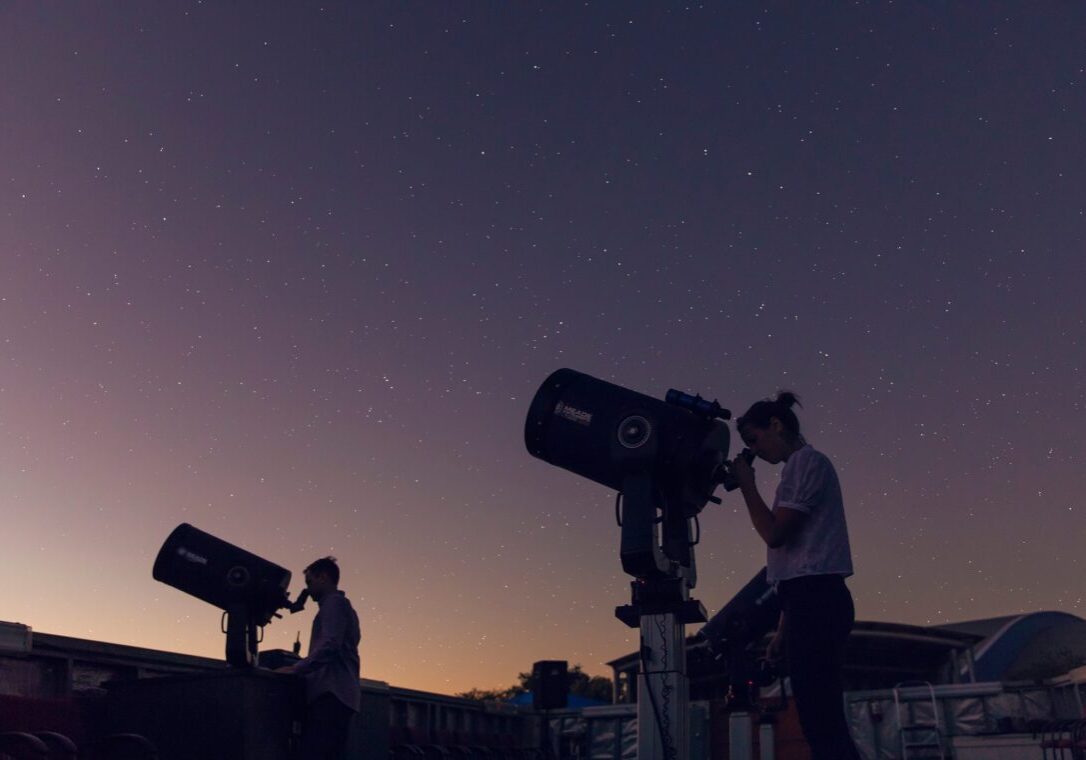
324 730
818 615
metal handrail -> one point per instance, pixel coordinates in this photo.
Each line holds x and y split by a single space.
904 729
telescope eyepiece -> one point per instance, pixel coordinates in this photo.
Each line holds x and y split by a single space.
726 477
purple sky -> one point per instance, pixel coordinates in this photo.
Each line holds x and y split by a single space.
294 274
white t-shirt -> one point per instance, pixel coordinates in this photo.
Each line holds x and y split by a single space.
809 484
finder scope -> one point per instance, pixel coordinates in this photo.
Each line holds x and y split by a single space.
708 409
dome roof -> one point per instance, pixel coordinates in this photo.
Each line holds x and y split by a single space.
1031 646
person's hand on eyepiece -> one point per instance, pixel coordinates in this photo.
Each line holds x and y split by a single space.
741 469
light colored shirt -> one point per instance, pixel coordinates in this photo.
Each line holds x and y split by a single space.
331 667
809 484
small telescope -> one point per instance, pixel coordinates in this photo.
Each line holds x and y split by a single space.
730 634
750 615
249 589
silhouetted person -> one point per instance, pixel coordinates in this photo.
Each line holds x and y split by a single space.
808 558
332 689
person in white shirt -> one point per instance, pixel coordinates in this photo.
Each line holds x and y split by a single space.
808 558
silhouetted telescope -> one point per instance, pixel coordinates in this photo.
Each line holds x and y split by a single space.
730 634
750 615
249 589
665 459
665 456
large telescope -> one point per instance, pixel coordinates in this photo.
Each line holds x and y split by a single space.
665 459
249 589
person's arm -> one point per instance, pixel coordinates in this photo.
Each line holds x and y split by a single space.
775 528
333 632
775 651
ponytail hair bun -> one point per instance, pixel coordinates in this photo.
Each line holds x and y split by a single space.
787 399
761 413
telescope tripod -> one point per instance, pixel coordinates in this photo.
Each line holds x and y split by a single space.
661 609
242 629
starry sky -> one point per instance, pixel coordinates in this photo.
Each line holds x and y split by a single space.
293 274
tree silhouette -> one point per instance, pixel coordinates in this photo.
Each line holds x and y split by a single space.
580 683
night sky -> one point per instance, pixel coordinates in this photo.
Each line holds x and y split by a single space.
293 274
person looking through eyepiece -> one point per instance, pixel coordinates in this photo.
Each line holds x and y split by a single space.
808 558
333 691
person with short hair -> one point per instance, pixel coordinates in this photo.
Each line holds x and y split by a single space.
808 558
331 668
